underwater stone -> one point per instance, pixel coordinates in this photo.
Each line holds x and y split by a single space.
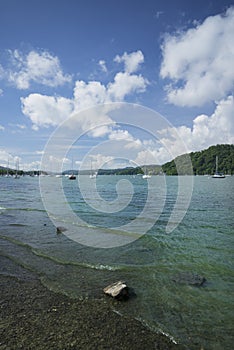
60 229
190 278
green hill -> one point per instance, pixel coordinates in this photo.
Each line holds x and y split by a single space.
204 162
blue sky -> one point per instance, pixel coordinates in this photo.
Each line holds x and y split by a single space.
58 58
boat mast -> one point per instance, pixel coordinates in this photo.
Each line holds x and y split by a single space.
8 167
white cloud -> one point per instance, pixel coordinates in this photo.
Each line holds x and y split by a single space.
125 84
37 67
152 156
102 65
206 130
121 135
2 127
19 126
124 135
158 14
89 94
28 166
7 159
2 75
46 110
218 128
101 161
131 61
200 62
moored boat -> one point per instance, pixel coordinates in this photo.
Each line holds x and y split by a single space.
217 174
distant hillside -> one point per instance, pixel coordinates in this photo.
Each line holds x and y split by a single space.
204 162
150 169
120 171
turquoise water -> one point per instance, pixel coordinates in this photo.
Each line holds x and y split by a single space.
161 267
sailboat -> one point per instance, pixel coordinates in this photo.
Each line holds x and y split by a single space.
146 175
7 175
92 175
72 176
218 175
17 169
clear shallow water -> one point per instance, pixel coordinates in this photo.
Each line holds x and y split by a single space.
159 266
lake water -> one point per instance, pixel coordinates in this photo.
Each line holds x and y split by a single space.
161 267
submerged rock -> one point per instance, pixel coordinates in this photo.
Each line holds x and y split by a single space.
61 229
117 290
190 278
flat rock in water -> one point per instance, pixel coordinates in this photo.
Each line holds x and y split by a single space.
118 290
190 278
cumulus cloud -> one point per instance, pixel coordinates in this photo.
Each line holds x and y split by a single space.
130 142
45 111
100 161
121 135
199 62
37 67
152 156
206 130
2 127
48 110
131 61
125 84
89 94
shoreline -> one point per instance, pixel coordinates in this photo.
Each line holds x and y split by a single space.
33 317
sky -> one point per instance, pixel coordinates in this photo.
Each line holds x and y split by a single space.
169 64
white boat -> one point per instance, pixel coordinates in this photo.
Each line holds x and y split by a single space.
146 175
72 176
218 175
93 175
